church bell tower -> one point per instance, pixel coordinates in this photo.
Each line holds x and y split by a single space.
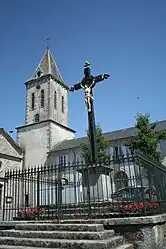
46 117
46 93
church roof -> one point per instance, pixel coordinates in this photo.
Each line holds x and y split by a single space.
110 136
48 66
10 140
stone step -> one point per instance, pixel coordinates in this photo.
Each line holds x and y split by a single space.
126 246
60 227
80 221
21 247
58 234
66 244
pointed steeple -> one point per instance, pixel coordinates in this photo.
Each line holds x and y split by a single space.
46 66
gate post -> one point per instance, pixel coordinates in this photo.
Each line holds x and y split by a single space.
59 192
38 191
4 199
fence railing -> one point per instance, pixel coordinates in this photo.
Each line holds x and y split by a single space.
130 185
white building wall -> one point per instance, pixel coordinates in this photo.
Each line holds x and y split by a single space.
58 134
34 140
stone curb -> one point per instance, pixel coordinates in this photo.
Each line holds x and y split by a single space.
58 234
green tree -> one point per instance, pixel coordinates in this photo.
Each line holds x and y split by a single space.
147 138
102 145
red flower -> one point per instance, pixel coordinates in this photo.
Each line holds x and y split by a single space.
138 206
34 211
27 211
42 209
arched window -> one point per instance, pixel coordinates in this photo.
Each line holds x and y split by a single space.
65 181
42 98
39 73
121 180
37 118
55 100
62 104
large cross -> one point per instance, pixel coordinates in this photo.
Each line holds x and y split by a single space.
87 83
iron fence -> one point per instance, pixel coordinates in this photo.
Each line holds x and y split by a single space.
128 185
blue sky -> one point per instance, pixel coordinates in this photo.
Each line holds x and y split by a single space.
126 38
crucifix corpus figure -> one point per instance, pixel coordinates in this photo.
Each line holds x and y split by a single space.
87 83
88 95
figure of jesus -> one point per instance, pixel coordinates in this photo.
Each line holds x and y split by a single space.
88 95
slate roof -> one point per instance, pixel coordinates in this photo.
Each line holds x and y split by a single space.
10 140
48 66
110 136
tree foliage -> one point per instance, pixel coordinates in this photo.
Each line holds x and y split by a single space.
147 138
102 145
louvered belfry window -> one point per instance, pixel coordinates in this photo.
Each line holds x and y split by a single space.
62 104
42 98
55 100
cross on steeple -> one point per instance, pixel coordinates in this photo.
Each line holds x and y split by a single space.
47 42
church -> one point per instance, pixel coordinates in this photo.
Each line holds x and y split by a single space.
45 138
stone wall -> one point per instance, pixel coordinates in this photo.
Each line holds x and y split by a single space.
144 232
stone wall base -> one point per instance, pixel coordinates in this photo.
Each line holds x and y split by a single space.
143 232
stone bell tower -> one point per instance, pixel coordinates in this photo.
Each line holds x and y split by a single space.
46 117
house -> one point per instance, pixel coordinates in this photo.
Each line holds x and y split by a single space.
11 157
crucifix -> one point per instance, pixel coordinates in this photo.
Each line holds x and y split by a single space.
88 83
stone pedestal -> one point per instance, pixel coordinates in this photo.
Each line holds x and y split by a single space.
96 183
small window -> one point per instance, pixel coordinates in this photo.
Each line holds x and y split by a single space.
37 118
121 151
55 100
116 153
33 101
62 160
38 74
42 98
62 104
